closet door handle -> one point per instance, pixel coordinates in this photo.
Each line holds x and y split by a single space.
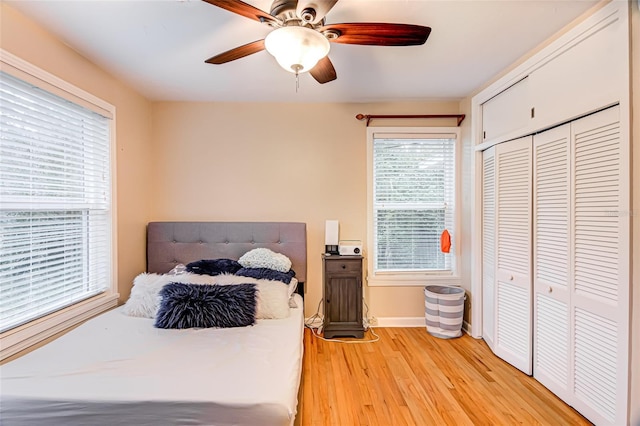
550 290
511 278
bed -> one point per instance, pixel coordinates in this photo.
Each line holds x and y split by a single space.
117 369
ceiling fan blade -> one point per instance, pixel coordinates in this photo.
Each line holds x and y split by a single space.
320 8
237 53
324 71
244 9
378 34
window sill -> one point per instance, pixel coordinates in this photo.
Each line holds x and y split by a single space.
412 280
21 338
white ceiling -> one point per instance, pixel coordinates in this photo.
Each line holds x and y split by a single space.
159 47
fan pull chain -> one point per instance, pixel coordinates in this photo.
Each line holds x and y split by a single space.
296 69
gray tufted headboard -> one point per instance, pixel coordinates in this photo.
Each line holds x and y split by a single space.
171 243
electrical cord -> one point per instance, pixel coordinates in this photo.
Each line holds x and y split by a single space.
309 321
316 330
375 338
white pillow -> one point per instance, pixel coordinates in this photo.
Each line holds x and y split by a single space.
265 258
273 296
145 298
293 286
273 300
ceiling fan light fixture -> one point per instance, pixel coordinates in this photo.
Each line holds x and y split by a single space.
297 49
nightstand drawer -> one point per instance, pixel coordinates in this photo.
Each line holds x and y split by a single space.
350 266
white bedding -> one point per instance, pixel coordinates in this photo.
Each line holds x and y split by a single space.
120 370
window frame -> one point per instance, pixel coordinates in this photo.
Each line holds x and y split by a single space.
22 337
412 278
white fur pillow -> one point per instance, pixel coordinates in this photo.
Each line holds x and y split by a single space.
143 301
265 258
145 298
273 296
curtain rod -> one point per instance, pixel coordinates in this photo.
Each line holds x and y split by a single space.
370 117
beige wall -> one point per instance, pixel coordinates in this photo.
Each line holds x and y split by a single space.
25 39
280 162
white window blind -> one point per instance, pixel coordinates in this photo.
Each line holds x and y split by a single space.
413 201
55 202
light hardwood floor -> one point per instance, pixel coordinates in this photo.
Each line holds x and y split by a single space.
412 378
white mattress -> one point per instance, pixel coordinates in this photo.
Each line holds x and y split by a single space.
120 370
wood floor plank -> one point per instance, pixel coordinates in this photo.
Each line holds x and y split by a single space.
412 378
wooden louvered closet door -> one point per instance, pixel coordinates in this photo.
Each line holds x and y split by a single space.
488 245
552 254
513 253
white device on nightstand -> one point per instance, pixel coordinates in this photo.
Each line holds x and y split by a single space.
350 248
331 236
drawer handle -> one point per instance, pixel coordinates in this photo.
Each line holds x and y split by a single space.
344 266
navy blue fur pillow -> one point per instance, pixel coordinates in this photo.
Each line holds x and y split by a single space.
267 274
214 266
203 305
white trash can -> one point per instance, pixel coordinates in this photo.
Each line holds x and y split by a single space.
444 307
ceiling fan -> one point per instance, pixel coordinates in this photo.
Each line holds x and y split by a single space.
300 40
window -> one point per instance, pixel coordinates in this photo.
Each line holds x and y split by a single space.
55 203
412 199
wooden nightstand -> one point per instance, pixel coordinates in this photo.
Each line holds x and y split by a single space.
342 296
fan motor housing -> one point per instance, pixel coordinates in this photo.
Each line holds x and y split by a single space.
279 7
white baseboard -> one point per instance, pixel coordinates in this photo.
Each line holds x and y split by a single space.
400 322
411 322
394 322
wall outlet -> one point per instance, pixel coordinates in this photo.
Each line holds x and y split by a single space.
372 321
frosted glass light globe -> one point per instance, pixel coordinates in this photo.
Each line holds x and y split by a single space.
297 49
